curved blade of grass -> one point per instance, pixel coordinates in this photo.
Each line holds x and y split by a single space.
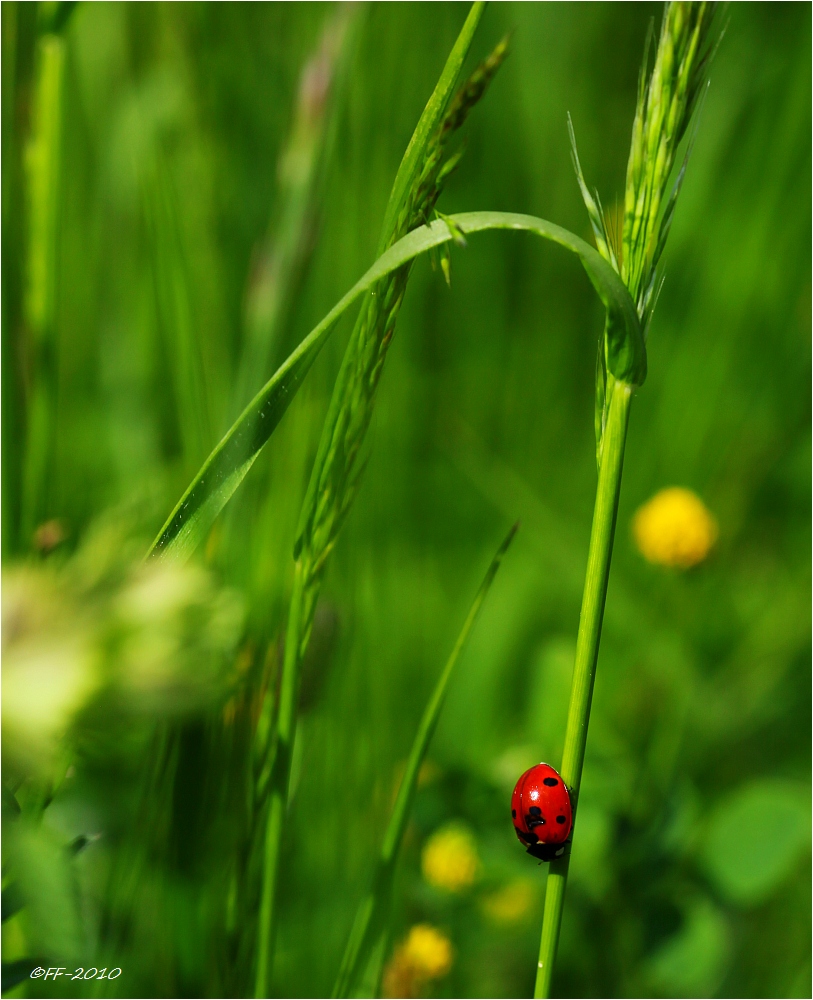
370 925
231 460
229 463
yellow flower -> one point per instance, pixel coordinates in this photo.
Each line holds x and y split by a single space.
428 951
510 904
450 859
674 529
425 954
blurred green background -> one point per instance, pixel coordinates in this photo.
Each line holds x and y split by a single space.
185 168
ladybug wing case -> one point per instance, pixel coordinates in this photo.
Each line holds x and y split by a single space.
541 812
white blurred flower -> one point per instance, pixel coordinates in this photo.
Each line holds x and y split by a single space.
109 630
49 668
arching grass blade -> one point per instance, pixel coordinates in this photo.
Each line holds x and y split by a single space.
229 463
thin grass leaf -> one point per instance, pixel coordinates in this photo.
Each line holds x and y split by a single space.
591 203
370 923
369 982
175 311
229 463
651 305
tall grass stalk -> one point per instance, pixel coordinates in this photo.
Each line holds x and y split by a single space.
195 394
664 110
42 167
282 255
338 466
9 399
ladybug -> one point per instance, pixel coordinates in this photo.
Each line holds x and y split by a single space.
541 811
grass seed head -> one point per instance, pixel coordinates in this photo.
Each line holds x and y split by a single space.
664 110
343 464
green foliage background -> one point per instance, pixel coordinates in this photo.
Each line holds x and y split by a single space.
691 875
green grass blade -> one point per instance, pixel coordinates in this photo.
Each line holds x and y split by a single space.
370 924
229 463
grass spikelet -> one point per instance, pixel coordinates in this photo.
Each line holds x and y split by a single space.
337 471
339 465
664 110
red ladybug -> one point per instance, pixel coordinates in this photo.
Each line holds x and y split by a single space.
540 808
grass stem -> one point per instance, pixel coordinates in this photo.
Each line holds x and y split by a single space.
587 643
666 103
283 752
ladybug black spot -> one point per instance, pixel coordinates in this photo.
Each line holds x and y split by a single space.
560 819
513 814
550 782
535 811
